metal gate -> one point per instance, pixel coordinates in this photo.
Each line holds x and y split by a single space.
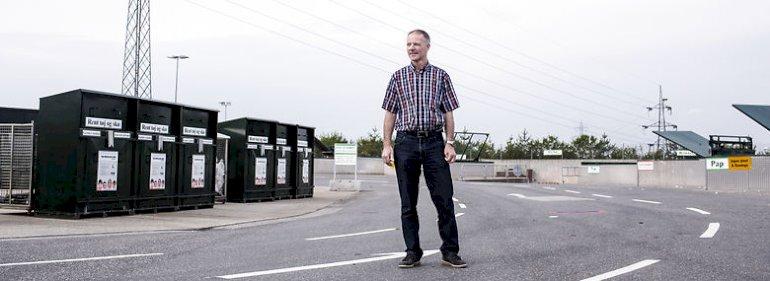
16 158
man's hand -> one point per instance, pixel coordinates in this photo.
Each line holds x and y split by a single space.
449 153
387 154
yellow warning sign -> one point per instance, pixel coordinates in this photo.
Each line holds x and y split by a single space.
740 163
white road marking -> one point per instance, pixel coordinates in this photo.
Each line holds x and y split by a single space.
601 195
549 188
462 205
702 212
553 217
351 234
455 199
572 191
379 257
711 230
81 259
624 270
92 235
459 214
645 201
521 185
517 195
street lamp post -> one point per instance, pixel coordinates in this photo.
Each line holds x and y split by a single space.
176 82
225 104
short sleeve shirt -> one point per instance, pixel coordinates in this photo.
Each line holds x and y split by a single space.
420 98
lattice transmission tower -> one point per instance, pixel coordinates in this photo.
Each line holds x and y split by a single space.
137 70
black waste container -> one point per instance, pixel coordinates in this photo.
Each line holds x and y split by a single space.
285 186
84 154
197 154
252 157
303 169
155 155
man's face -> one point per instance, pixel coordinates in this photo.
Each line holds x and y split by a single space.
417 47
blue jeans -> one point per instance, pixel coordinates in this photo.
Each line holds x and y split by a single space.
412 154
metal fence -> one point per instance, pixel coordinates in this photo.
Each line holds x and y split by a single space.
16 162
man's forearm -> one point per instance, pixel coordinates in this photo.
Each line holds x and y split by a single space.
387 127
449 124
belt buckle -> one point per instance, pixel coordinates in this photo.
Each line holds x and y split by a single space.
422 134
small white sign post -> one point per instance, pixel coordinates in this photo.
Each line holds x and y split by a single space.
553 152
346 154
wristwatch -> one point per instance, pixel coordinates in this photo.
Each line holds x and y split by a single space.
451 143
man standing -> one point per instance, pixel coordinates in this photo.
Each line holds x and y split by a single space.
418 104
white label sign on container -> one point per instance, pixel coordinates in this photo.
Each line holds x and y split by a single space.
194 131
260 171
198 171
257 139
645 165
594 169
104 123
306 171
280 141
717 163
91 133
157 171
107 171
122 135
281 171
302 143
153 128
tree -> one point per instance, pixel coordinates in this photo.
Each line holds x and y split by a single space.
371 145
518 148
329 139
624 153
591 147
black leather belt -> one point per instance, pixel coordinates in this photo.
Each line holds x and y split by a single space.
421 134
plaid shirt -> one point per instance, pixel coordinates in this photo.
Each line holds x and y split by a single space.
420 98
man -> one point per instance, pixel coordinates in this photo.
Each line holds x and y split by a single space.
418 103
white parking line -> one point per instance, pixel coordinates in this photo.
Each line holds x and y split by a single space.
517 195
553 217
702 212
601 195
711 230
380 257
623 270
459 214
646 201
81 259
455 199
351 234
549 188
462 205
572 191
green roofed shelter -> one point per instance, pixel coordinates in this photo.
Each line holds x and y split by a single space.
689 140
758 113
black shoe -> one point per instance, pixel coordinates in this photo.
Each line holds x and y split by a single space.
411 260
453 260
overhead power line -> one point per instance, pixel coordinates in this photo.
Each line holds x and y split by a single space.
283 35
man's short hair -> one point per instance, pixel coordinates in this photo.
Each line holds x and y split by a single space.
421 32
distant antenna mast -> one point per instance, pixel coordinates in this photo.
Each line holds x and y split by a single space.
661 125
137 72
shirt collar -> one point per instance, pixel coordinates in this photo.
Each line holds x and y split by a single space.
427 67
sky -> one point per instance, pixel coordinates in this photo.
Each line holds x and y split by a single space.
543 66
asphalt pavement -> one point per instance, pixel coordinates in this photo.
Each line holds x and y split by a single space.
507 232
